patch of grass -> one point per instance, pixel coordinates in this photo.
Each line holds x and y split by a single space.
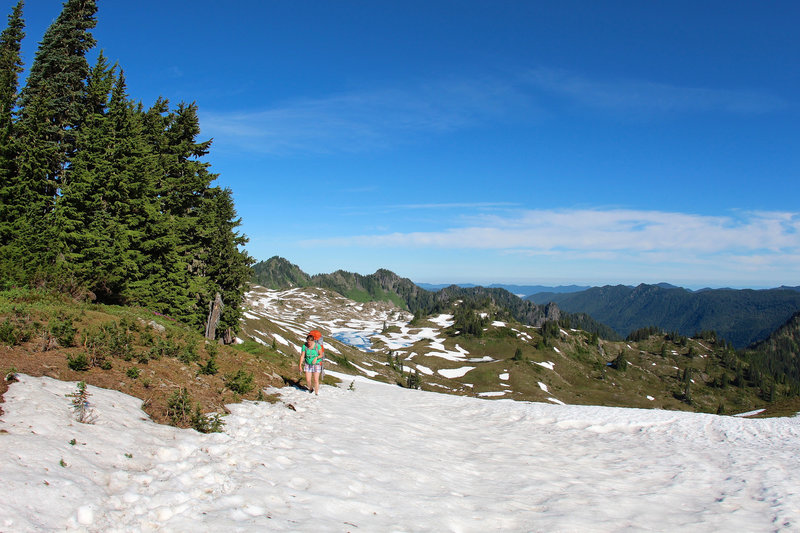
788 407
188 354
340 360
253 348
106 333
108 340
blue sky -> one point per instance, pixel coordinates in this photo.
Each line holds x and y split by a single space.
494 141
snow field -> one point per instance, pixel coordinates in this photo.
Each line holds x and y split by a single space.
382 458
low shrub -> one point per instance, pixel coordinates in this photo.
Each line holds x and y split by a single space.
240 382
79 362
63 331
179 407
210 368
212 423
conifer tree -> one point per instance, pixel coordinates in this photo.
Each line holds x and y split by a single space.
51 112
10 68
222 266
100 195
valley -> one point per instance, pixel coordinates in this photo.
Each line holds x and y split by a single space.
509 360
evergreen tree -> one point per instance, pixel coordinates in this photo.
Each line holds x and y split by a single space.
99 195
517 354
50 115
220 265
10 68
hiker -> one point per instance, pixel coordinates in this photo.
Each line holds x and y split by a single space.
311 363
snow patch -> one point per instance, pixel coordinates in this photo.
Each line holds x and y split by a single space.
455 372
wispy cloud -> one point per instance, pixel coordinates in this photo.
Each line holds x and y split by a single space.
364 120
649 97
457 205
749 240
409 112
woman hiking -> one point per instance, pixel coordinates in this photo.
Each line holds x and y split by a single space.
311 363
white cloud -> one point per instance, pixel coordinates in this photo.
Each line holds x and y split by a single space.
750 240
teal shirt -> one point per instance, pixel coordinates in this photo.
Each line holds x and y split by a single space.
311 354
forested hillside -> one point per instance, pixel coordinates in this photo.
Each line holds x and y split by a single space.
384 285
779 354
103 197
739 316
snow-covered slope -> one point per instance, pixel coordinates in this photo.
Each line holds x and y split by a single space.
383 458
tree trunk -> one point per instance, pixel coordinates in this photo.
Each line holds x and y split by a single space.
214 312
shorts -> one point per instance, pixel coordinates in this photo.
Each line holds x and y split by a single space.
312 368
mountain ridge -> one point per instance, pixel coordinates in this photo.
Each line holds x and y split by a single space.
384 285
524 290
742 316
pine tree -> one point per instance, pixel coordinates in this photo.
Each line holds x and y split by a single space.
79 214
221 266
99 195
10 68
50 116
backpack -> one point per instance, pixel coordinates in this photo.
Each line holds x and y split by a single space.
318 339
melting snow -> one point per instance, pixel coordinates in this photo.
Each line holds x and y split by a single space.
443 321
352 461
425 370
455 372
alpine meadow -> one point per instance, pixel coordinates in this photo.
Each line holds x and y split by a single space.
193 194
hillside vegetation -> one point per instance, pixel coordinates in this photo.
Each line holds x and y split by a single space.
181 378
742 317
104 198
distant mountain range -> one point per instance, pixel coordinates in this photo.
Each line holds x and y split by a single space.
519 290
740 316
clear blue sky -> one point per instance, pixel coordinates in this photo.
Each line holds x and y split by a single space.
496 141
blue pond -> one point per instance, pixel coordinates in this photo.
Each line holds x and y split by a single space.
358 339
